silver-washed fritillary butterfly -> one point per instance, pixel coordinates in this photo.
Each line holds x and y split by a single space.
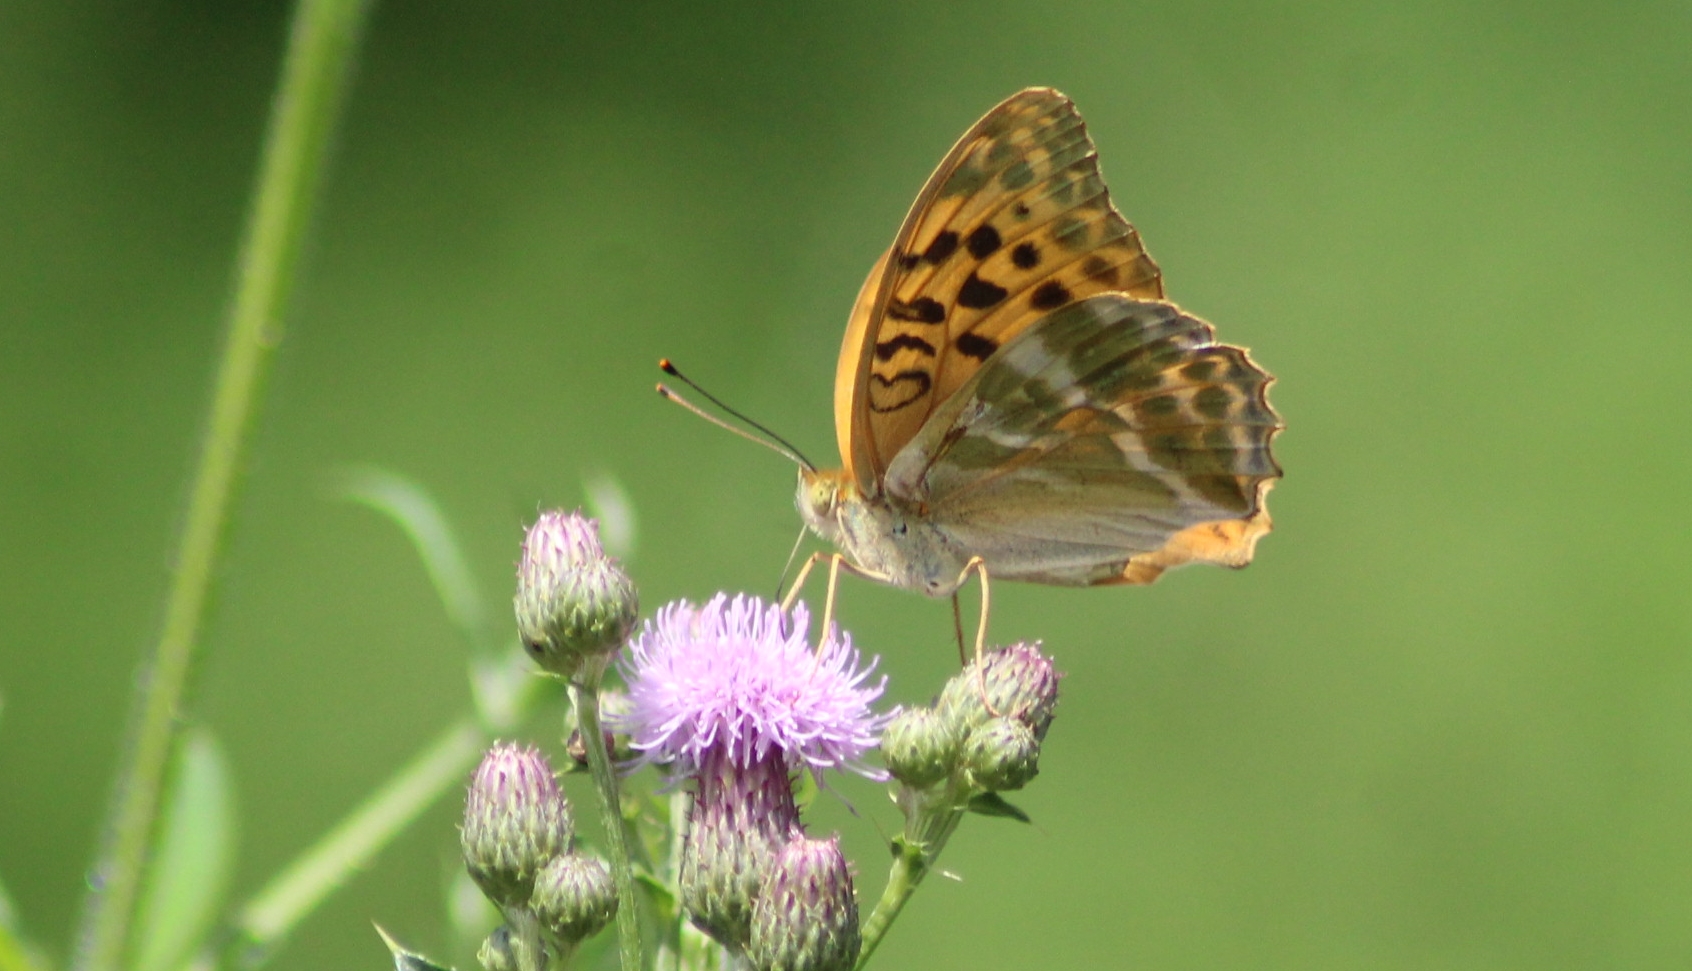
1015 394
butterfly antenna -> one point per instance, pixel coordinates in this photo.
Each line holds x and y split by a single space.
774 441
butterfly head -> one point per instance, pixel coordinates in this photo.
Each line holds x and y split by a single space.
822 495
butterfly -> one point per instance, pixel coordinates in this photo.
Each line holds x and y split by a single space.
1016 395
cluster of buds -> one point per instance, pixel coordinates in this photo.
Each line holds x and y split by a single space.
518 846
982 736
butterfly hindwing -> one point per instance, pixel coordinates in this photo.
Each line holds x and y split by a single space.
1015 223
1109 440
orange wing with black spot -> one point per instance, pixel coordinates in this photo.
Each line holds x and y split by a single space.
1015 223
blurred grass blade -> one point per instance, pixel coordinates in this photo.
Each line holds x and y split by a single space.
323 39
412 508
348 848
16 954
193 860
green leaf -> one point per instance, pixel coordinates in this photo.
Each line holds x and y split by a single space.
415 511
405 960
194 855
993 804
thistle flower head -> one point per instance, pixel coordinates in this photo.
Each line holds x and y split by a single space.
737 677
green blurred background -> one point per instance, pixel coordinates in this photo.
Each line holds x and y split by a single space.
1444 722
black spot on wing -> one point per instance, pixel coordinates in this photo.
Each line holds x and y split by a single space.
944 245
1049 296
979 294
884 350
983 241
1026 256
922 310
976 346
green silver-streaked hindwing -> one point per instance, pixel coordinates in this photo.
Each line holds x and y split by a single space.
1109 441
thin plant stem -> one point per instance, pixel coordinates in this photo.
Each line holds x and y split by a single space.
584 699
321 45
926 834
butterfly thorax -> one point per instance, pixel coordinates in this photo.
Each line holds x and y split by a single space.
879 537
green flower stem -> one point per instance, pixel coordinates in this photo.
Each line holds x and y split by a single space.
584 698
526 940
314 78
346 849
914 853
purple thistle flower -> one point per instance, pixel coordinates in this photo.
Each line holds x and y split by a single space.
739 678
732 695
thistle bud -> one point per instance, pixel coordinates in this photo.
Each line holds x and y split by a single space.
573 602
574 898
515 820
1002 754
498 953
806 919
920 748
1017 681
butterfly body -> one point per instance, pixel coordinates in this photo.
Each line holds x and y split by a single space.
1014 388
882 537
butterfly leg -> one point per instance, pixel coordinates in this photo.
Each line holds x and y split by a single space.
978 566
957 629
836 563
828 601
803 575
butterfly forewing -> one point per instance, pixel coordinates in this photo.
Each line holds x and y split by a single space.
1015 223
1109 440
